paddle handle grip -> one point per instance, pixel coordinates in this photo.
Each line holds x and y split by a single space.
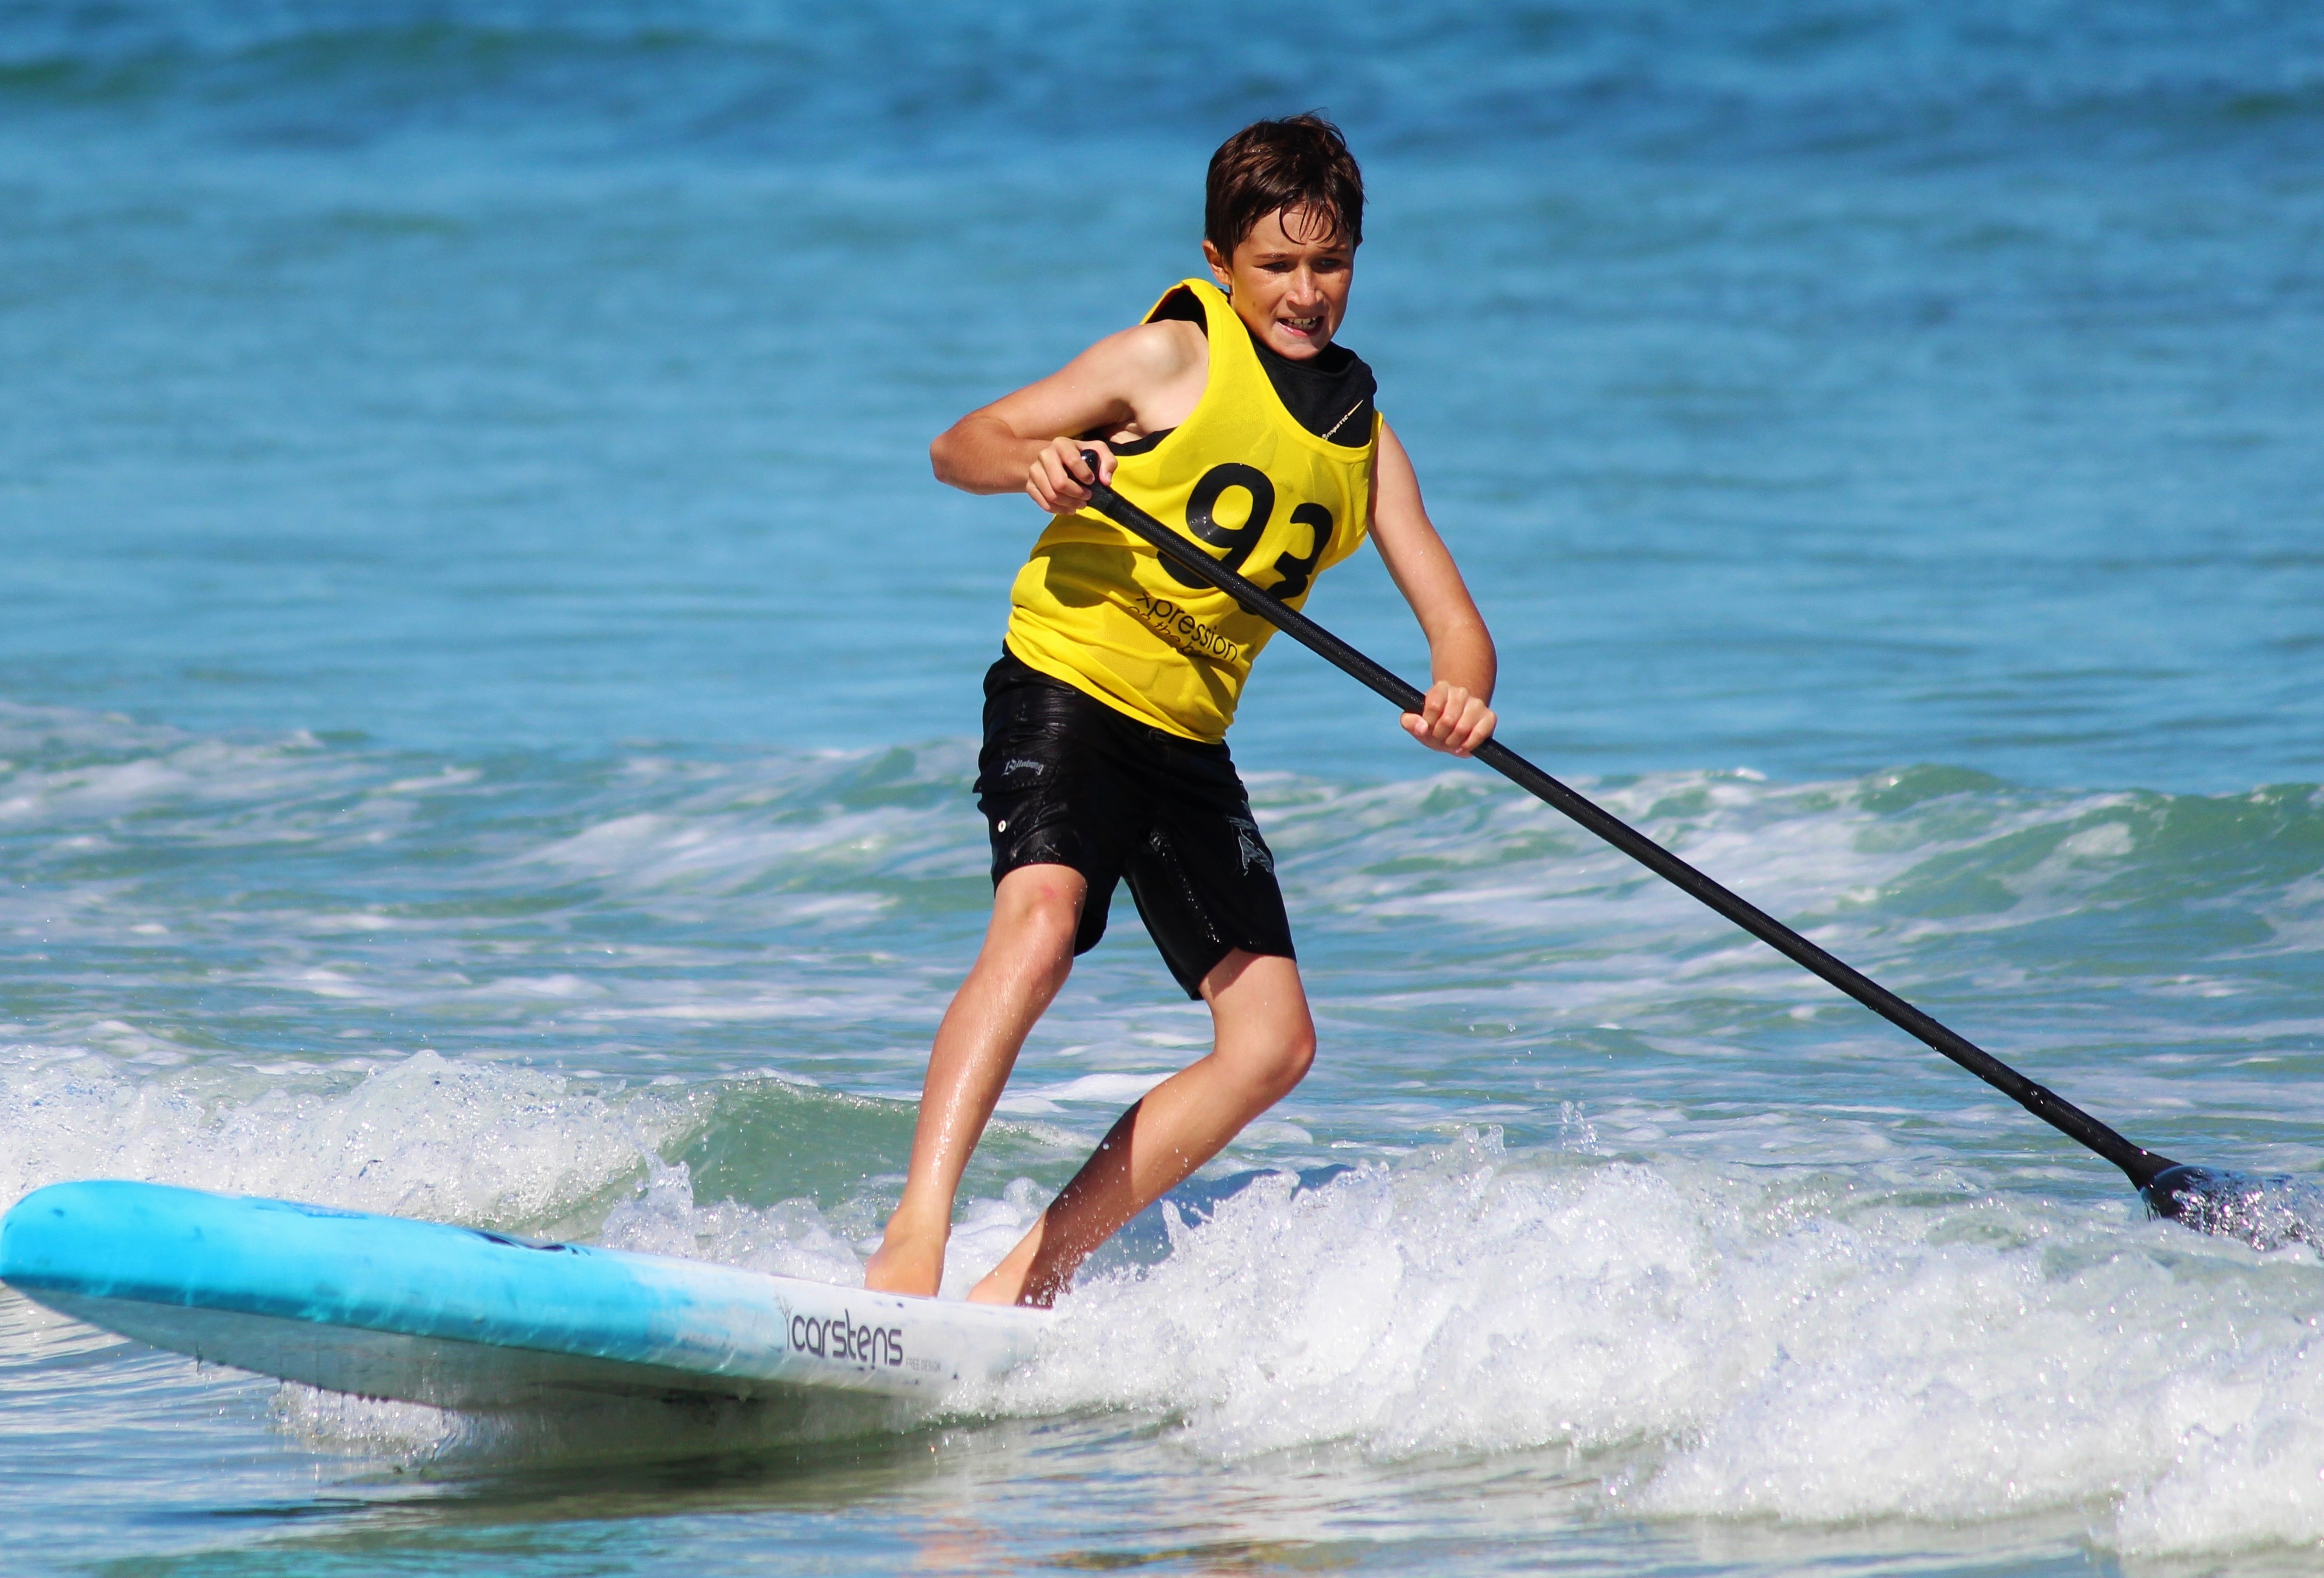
2140 1164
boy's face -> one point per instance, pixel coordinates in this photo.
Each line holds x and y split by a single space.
1288 280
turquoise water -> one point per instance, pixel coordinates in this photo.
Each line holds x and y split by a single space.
486 721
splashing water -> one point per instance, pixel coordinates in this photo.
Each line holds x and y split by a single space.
2267 1214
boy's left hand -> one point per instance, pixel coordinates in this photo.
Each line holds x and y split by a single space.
1452 720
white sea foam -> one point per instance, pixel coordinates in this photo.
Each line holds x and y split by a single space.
1817 1346
1459 846
483 1143
1115 1090
1716 1343
420 1136
65 770
732 828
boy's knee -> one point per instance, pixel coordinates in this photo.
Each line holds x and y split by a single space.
1041 905
1286 1063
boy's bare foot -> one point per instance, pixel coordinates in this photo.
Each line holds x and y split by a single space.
907 1262
1034 1273
997 1289
1005 1283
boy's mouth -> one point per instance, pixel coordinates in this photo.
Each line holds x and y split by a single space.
1306 327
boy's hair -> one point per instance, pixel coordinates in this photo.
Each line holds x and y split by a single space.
1269 167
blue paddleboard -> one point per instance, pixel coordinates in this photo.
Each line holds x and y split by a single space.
383 1307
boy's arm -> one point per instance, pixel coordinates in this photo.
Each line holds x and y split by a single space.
1456 717
1140 377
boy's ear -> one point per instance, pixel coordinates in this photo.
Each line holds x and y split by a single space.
1219 269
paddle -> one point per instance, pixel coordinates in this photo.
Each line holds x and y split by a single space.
2208 1200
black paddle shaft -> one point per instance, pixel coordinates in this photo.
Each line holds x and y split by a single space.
2140 1164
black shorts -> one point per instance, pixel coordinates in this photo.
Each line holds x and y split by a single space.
1064 780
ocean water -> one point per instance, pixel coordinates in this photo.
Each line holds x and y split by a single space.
488 691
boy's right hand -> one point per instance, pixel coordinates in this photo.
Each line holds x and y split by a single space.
1058 478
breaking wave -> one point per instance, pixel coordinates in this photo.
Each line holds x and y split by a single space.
1813 1347
1658 1209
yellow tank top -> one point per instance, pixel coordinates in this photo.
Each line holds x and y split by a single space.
1099 608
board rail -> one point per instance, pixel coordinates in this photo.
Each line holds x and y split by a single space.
465 1317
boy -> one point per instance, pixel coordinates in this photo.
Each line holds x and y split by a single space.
1230 410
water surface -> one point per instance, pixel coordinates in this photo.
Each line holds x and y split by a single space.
485 725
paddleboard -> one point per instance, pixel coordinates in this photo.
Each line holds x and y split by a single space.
383 1307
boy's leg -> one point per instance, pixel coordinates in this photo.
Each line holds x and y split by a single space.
1028 950
1265 1041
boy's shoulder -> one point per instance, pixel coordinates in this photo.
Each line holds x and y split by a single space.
1161 349
1143 364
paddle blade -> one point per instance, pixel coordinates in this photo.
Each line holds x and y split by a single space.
2265 1213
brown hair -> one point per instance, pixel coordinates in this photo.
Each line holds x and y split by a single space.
1269 167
